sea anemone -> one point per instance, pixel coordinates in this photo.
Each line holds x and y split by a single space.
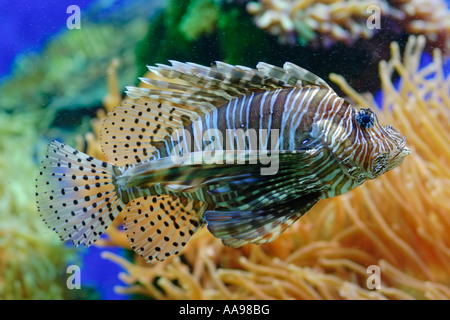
395 227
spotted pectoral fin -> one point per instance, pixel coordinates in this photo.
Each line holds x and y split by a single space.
237 228
160 226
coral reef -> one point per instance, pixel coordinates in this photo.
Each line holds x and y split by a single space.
323 23
200 18
70 55
202 31
398 224
32 260
228 33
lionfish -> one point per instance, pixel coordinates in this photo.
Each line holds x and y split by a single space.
320 147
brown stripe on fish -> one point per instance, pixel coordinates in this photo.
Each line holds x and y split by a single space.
342 134
295 110
317 108
279 108
254 110
303 118
332 112
240 113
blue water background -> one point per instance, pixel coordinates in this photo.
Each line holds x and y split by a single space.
26 26
101 274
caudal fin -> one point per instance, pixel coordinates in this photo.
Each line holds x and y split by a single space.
76 194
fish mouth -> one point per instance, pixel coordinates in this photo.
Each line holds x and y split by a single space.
402 149
398 157
406 151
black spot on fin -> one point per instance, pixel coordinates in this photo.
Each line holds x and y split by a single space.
160 226
76 194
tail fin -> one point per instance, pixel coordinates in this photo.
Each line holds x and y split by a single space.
76 194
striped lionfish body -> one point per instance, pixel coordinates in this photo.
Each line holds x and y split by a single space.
248 151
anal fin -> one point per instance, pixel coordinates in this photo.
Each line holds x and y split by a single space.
160 226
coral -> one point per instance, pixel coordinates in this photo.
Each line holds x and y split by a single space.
200 18
398 224
343 21
70 64
323 23
430 18
110 100
32 260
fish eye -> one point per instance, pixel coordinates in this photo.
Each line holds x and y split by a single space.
365 118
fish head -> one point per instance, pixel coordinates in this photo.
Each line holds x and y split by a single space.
380 148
